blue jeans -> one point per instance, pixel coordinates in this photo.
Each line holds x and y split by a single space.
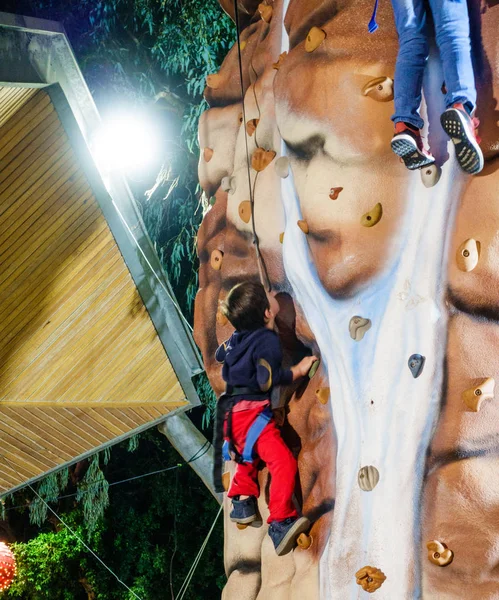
452 30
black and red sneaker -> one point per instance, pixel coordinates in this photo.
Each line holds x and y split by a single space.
462 130
408 144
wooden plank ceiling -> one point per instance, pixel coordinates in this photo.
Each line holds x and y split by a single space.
80 360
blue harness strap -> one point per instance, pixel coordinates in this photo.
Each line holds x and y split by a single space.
372 23
254 433
225 451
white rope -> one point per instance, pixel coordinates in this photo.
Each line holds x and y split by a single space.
185 585
12 466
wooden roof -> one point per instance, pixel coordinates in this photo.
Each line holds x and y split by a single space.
81 362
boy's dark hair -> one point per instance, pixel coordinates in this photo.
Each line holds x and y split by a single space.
245 306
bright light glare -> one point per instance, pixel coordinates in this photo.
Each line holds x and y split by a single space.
127 143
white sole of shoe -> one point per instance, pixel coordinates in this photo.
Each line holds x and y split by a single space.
403 145
468 153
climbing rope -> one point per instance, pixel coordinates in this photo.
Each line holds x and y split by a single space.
187 581
262 267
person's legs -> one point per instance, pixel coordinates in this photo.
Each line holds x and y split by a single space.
410 21
282 466
452 29
245 482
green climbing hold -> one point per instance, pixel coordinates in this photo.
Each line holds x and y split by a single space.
313 368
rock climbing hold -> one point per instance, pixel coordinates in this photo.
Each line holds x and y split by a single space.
370 579
226 481
208 154
277 65
335 192
303 225
304 541
372 217
222 320
228 184
282 166
314 39
265 12
430 175
379 89
240 117
261 159
216 259
368 478
416 364
214 81
474 397
468 254
439 554
313 368
322 394
358 327
245 211
212 200
241 526
242 45
251 126
281 237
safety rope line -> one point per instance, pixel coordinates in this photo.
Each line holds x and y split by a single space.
71 530
260 260
183 589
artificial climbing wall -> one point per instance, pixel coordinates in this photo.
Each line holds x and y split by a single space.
390 275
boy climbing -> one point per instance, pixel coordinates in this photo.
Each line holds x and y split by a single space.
453 38
252 367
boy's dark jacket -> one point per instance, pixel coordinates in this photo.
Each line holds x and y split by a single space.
251 359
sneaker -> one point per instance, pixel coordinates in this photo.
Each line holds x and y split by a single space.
243 511
462 130
284 533
408 144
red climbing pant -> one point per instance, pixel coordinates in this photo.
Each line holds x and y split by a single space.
281 464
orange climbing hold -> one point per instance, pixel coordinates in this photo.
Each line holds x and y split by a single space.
335 192
439 554
251 126
277 65
208 154
245 211
304 541
261 159
474 396
314 39
370 579
467 255
322 395
379 89
226 481
222 320
216 259
265 12
303 225
214 81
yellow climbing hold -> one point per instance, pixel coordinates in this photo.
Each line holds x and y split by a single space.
245 211
439 554
281 237
303 225
265 12
261 159
467 255
372 217
222 320
304 541
208 154
315 37
322 395
226 481
243 45
214 81
474 396
370 579
277 65
251 126
430 175
216 259
379 89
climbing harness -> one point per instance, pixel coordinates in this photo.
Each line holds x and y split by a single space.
254 432
372 23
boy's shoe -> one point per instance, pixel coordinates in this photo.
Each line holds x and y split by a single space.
462 130
243 511
408 144
284 533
